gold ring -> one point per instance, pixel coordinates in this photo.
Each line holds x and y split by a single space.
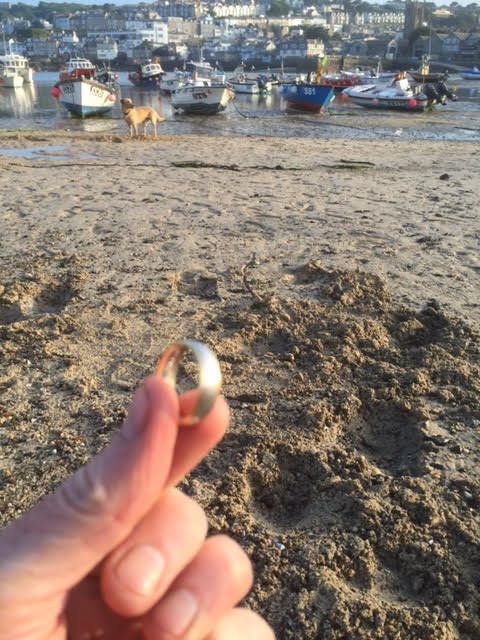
210 377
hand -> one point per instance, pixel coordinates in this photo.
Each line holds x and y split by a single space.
117 553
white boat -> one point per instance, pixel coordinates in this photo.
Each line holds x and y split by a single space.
203 98
84 92
243 85
14 71
251 83
171 80
399 96
18 102
9 78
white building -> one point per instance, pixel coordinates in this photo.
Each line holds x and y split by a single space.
240 10
107 50
136 32
62 22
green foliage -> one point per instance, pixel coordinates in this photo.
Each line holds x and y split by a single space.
279 8
40 34
22 34
21 10
316 33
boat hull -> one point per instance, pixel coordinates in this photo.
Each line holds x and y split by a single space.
85 98
11 81
411 103
249 88
202 100
149 82
469 75
307 97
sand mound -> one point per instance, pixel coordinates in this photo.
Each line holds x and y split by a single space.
350 474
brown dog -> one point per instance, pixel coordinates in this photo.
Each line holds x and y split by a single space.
139 115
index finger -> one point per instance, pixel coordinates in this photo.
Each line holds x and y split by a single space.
193 443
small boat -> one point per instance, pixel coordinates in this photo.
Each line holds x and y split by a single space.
84 92
470 74
14 71
401 95
422 75
171 80
202 97
341 80
307 96
242 85
147 75
310 96
250 83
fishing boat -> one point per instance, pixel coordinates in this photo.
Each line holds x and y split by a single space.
202 97
147 75
310 96
470 74
307 96
15 71
82 91
401 95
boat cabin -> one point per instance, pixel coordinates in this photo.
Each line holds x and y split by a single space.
150 68
77 67
14 61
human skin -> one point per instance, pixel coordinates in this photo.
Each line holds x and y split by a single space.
118 553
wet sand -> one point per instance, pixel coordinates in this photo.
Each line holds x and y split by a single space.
338 282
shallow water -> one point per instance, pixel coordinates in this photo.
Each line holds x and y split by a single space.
33 107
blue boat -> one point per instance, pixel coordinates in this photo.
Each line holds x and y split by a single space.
308 96
470 74
147 75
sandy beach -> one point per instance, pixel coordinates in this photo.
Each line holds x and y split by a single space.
338 282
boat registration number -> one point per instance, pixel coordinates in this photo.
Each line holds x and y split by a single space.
67 88
199 95
96 91
309 91
393 103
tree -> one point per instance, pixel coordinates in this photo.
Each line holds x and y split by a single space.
279 8
316 33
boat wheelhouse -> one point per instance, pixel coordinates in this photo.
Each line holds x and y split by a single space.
77 68
147 75
15 70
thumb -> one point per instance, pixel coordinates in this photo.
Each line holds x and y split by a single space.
58 542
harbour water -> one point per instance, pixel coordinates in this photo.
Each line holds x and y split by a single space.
34 108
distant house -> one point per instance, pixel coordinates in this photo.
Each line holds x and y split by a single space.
43 48
107 49
430 45
293 48
452 44
61 21
184 9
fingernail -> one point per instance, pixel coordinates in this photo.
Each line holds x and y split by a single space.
176 612
141 569
135 420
